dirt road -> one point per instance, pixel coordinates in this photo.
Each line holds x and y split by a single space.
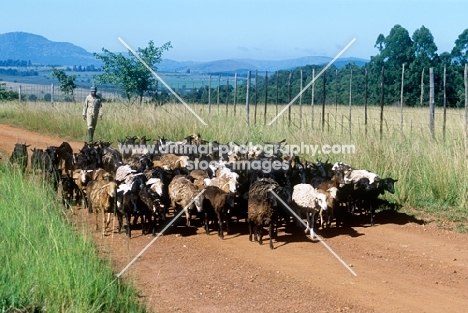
402 265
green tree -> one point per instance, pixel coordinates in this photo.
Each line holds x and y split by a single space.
460 51
128 73
67 82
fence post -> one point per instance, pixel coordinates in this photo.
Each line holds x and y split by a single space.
365 100
466 104
445 102
312 99
350 100
235 93
381 103
247 90
227 95
256 97
300 104
266 98
431 102
323 104
401 97
52 94
19 94
209 94
289 98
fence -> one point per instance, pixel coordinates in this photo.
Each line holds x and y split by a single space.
213 94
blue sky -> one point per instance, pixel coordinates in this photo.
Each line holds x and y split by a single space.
207 30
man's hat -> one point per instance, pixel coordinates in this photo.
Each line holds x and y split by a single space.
93 88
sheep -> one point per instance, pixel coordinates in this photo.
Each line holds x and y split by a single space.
181 193
101 197
308 201
261 208
218 202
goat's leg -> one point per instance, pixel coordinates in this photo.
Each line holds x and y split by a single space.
271 234
128 231
260 234
250 231
220 223
103 223
207 229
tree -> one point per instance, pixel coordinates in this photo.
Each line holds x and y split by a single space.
67 82
460 51
129 74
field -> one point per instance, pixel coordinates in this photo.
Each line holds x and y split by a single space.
414 260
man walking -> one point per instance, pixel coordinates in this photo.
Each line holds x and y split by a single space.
92 108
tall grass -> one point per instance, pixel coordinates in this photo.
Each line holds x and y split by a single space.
46 266
431 172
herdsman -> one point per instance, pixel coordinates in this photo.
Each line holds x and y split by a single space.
92 108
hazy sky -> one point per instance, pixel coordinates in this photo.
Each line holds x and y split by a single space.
207 30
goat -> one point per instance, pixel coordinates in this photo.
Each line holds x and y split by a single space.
181 193
261 209
217 202
20 156
101 197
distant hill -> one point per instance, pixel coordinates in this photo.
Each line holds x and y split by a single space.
40 50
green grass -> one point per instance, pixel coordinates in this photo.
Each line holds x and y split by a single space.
432 173
46 265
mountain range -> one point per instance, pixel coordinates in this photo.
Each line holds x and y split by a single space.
40 50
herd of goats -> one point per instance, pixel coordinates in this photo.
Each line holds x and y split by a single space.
150 186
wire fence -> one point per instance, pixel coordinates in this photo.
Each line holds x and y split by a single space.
227 98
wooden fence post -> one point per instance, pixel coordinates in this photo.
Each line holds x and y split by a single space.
323 104
365 100
431 102
300 102
381 102
227 95
266 98
401 96
466 106
256 97
350 100
235 93
445 102
247 90
209 94
312 99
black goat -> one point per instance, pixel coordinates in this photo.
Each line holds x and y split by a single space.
20 156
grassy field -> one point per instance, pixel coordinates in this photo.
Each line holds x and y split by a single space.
431 172
46 265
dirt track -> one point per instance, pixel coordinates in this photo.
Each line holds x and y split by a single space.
402 265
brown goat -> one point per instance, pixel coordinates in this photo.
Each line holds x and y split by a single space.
101 197
217 202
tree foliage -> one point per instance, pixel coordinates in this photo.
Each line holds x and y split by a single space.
128 73
67 82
